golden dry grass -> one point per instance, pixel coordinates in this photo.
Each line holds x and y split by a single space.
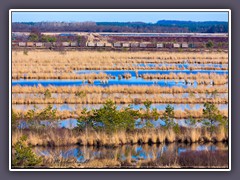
118 89
87 57
63 137
50 64
185 76
101 99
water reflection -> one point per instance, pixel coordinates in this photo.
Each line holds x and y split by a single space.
126 152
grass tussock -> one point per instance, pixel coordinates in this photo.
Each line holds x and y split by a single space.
63 137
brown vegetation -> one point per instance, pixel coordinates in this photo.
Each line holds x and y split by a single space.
64 137
48 64
118 89
189 159
185 76
45 58
100 99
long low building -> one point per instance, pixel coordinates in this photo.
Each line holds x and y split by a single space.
160 45
91 44
117 44
100 44
39 44
22 44
184 45
134 45
74 44
30 44
65 44
125 44
176 45
107 44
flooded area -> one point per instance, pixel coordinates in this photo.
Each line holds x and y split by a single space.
110 82
116 79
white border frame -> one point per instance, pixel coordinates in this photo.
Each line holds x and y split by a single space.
120 10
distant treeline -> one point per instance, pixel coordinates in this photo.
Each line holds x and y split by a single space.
163 26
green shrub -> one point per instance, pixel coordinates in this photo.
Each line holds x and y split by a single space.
47 94
176 128
210 44
211 113
14 120
23 155
45 38
108 118
80 94
168 116
33 37
149 115
25 52
48 113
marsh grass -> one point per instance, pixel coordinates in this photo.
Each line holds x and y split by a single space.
87 57
53 137
52 65
100 99
118 89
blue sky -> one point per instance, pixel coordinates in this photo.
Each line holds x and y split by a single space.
117 16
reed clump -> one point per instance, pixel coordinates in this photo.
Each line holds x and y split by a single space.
64 137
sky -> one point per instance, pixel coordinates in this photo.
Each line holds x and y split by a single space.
151 17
